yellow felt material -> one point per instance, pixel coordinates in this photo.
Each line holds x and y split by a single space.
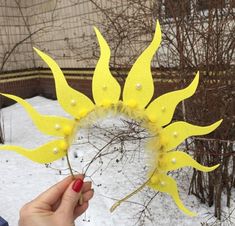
161 110
72 101
42 154
51 125
139 87
167 184
106 90
178 159
177 132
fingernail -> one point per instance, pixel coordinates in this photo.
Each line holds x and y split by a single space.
77 185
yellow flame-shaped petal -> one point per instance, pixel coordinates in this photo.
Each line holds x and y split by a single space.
167 184
46 153
178 159
139 87
177 132
106 90
72 101
51 125
161 110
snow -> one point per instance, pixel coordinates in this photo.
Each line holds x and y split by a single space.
22 180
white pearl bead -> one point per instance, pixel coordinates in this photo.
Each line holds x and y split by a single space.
55 150
138 86
73 102
173 160
57 127
175 134
104 87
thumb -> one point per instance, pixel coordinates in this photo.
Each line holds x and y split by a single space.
70 198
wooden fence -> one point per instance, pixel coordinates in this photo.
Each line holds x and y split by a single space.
219 90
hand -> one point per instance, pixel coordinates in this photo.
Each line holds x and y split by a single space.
60 205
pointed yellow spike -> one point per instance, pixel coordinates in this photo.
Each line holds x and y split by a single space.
105 88
51 125
178 159
167 184
72 101
161 110
177 132
139 87
46 153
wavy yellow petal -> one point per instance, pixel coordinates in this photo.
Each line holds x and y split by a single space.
177 132
46 153
139 87
51 125
161 110
106 90
167 184
72 101
178 159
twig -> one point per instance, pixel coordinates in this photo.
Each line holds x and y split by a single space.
69 165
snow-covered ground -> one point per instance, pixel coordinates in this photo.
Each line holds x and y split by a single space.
22 180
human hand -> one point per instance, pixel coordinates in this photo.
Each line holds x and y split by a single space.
59 205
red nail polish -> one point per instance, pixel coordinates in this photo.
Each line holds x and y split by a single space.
77 185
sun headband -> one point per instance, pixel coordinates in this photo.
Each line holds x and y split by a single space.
137 93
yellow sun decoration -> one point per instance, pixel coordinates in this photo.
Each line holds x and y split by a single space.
137 93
